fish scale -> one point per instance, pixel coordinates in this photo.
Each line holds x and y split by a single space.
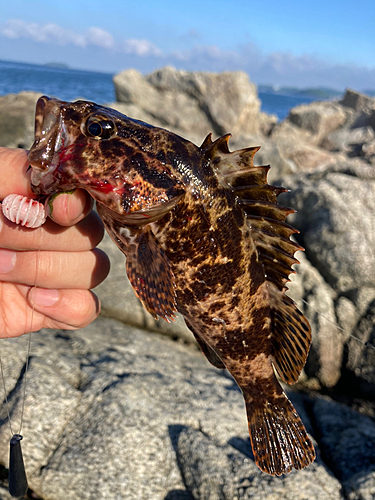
203 235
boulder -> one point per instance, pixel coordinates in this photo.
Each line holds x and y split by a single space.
297 146
316 299
17 117
357 101
360 364
335 207
196 102
115 412
318 118
348 440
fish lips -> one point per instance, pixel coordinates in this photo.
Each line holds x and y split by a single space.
50 136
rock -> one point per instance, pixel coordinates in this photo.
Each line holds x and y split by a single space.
316 299
348 140
357 101
346 438
144 417
297 146
111 438
335 207
17 116
196 103
361 486
318 118
213 472
361 354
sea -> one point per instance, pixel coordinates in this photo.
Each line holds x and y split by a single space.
70 84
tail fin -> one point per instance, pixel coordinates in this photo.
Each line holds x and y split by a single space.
278 436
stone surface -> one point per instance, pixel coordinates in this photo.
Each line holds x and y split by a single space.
347 439
193 103
318 118
214 472
145 417
17 115
361 353
357 101
335 208
317 301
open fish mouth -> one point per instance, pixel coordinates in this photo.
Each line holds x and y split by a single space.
50 140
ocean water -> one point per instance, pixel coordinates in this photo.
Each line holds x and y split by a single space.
69 84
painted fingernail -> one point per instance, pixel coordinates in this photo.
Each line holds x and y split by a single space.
7 260
44 297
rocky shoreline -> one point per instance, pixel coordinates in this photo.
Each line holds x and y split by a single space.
129 408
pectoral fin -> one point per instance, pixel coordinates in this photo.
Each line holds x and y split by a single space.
147 266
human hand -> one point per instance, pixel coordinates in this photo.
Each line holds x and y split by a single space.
46 273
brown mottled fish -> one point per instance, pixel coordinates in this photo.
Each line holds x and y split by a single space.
203 235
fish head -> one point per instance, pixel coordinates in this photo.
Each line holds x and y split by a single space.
84 145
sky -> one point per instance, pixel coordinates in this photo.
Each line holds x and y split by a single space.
282 43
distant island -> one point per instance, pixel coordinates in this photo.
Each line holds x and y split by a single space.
56 65
314 93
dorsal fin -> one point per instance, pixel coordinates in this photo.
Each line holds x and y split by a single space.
265 218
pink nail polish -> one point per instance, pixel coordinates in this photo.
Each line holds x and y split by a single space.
44 297
7 260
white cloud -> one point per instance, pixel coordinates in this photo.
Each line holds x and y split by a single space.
99 37
141 48
52 33
277 68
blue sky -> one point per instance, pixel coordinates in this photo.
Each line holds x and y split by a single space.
304 44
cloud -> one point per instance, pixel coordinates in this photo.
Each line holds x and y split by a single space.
54 34
276 68
141 48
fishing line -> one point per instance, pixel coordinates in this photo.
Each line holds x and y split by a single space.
366 344
29 213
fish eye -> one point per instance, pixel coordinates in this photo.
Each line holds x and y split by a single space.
99 128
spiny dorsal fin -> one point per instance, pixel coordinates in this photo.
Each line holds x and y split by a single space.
291 333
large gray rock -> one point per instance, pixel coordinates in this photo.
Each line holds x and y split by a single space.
17 116
318 118
361 353
347 438
193 104
357 101
141 417
335 207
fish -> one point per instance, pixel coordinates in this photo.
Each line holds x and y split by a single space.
204 236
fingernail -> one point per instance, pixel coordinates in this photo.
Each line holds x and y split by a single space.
7 260
44 297
50 201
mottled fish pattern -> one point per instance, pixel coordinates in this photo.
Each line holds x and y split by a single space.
203 235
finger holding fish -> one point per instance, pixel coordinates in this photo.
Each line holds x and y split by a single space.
46 272
74 270
84 235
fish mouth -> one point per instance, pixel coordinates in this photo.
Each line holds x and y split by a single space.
50 138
